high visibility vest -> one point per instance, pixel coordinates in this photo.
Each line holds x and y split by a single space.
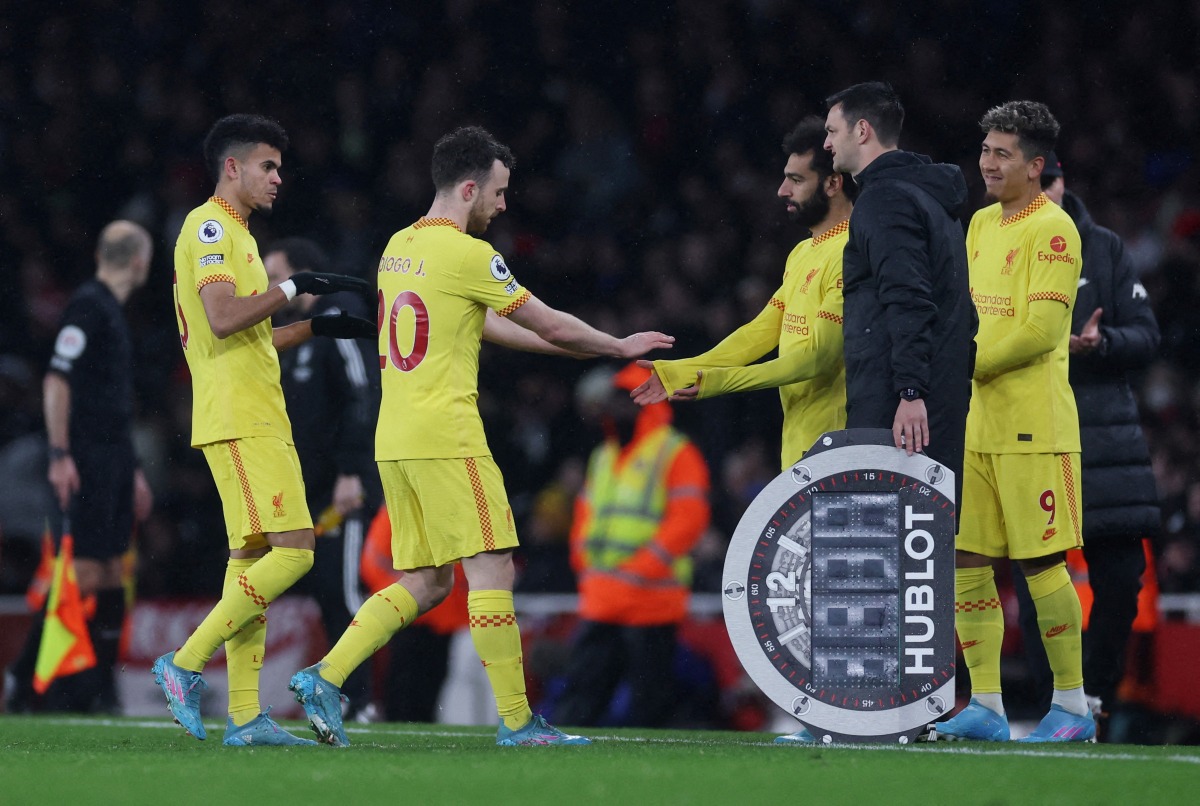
627 505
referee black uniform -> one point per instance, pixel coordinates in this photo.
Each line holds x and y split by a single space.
94 352
89 408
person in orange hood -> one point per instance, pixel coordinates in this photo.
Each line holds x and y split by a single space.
643 507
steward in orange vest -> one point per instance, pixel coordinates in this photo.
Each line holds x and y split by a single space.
643 507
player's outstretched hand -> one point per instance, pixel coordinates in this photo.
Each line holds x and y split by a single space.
639 344
652 390
688 392
318 283
343 326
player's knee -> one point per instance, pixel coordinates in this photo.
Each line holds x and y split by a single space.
436 593
297 561
305 560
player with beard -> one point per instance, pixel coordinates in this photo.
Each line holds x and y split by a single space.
803 318
441 290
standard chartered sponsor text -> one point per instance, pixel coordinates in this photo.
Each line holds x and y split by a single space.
992 304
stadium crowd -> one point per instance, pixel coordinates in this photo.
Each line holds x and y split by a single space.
647 155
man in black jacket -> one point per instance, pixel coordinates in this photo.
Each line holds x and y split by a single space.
1113 331
909 321
331 387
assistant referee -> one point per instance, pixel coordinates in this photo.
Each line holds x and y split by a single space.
88 407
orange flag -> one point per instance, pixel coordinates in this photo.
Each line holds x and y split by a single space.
39 586
66 647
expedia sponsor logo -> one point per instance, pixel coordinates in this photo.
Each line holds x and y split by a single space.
1058 252
1051 257
212 260
1058 630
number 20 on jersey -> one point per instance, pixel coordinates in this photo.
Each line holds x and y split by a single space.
405 326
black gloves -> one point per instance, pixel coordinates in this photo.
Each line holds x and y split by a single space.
342 326
311 282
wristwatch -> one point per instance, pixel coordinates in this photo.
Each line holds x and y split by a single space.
910 393
57 453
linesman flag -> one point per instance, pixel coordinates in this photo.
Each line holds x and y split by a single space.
39 586
66 647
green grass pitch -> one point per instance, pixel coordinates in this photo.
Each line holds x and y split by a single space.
52 760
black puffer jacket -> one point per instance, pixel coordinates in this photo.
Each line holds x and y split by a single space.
1119 494
909 319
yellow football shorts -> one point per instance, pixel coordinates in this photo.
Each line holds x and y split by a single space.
1020 505
442 510
261 488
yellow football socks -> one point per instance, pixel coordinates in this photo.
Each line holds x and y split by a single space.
244 653
497 641
980 624
254 589
1060 621
379 618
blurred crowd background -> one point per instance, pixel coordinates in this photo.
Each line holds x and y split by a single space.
647 144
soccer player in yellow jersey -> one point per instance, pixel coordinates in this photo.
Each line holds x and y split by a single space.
803 318
1021 473
440 291
223 309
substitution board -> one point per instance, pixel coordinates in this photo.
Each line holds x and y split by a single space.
838 589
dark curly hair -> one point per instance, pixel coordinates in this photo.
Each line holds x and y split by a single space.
1035 128
809 138
236 135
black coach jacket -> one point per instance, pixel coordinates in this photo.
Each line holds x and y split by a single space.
909 319
331 388
1120 498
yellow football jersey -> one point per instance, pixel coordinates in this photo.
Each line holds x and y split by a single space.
435 286
235 380
804 320
1030 258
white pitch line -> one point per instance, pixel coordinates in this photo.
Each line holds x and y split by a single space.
921 747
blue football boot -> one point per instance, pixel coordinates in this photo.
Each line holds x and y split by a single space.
537 731
262 731
322 703
976 722
182 689
1060 725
